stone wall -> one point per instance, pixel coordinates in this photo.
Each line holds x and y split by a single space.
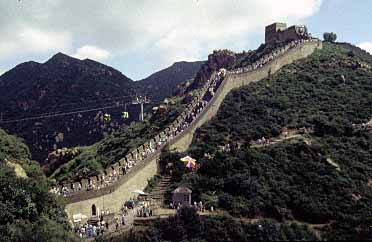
84 195
123 191
114 196
232 81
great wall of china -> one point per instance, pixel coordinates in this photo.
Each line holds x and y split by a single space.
114 195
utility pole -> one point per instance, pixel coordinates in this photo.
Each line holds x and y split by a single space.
141 100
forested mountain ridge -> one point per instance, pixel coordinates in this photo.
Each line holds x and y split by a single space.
28 212
62 84
32 88
319 177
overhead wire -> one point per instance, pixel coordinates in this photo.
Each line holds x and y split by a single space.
93 101
57 114
76 111
98 101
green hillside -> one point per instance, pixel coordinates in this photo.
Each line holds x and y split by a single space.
319 178
12 147
28 212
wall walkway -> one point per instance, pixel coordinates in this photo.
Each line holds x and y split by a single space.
121 192
233 81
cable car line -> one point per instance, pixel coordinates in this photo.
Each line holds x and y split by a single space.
118 98
59 113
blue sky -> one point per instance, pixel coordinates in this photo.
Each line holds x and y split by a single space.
143 36
351 20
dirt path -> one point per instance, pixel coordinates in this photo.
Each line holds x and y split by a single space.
278 140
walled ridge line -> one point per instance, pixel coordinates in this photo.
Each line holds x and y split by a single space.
148 167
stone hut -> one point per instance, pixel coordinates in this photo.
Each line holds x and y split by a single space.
182 195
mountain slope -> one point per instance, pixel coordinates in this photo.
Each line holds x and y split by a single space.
320 176
31 87
62 84
163 83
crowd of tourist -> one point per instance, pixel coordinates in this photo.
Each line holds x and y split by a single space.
269 57
144 211
198 206
211 88
286 133
261 141
89 231
92 184
107 222
363 126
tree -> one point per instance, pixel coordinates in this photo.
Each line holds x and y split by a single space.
330 37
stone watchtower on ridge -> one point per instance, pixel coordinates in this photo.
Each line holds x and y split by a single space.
278 32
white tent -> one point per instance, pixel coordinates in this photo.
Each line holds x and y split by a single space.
187 159
139 192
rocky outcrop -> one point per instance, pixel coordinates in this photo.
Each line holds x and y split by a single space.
218 59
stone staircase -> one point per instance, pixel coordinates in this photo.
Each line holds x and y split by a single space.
93 220
159 192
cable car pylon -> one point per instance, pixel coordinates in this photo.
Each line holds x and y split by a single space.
139 100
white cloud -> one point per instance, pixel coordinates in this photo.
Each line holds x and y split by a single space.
91 52
163 31
367 46
191 29
1 72
41 41
32 40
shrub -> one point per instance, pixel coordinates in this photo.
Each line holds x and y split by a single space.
330 37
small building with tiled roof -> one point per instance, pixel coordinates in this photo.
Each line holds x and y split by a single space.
182 195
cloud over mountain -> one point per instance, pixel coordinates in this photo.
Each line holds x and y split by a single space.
366 46
91 52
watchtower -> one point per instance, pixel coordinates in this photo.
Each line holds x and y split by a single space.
278 32
272 32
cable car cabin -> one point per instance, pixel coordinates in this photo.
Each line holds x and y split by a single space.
107 117
125 115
